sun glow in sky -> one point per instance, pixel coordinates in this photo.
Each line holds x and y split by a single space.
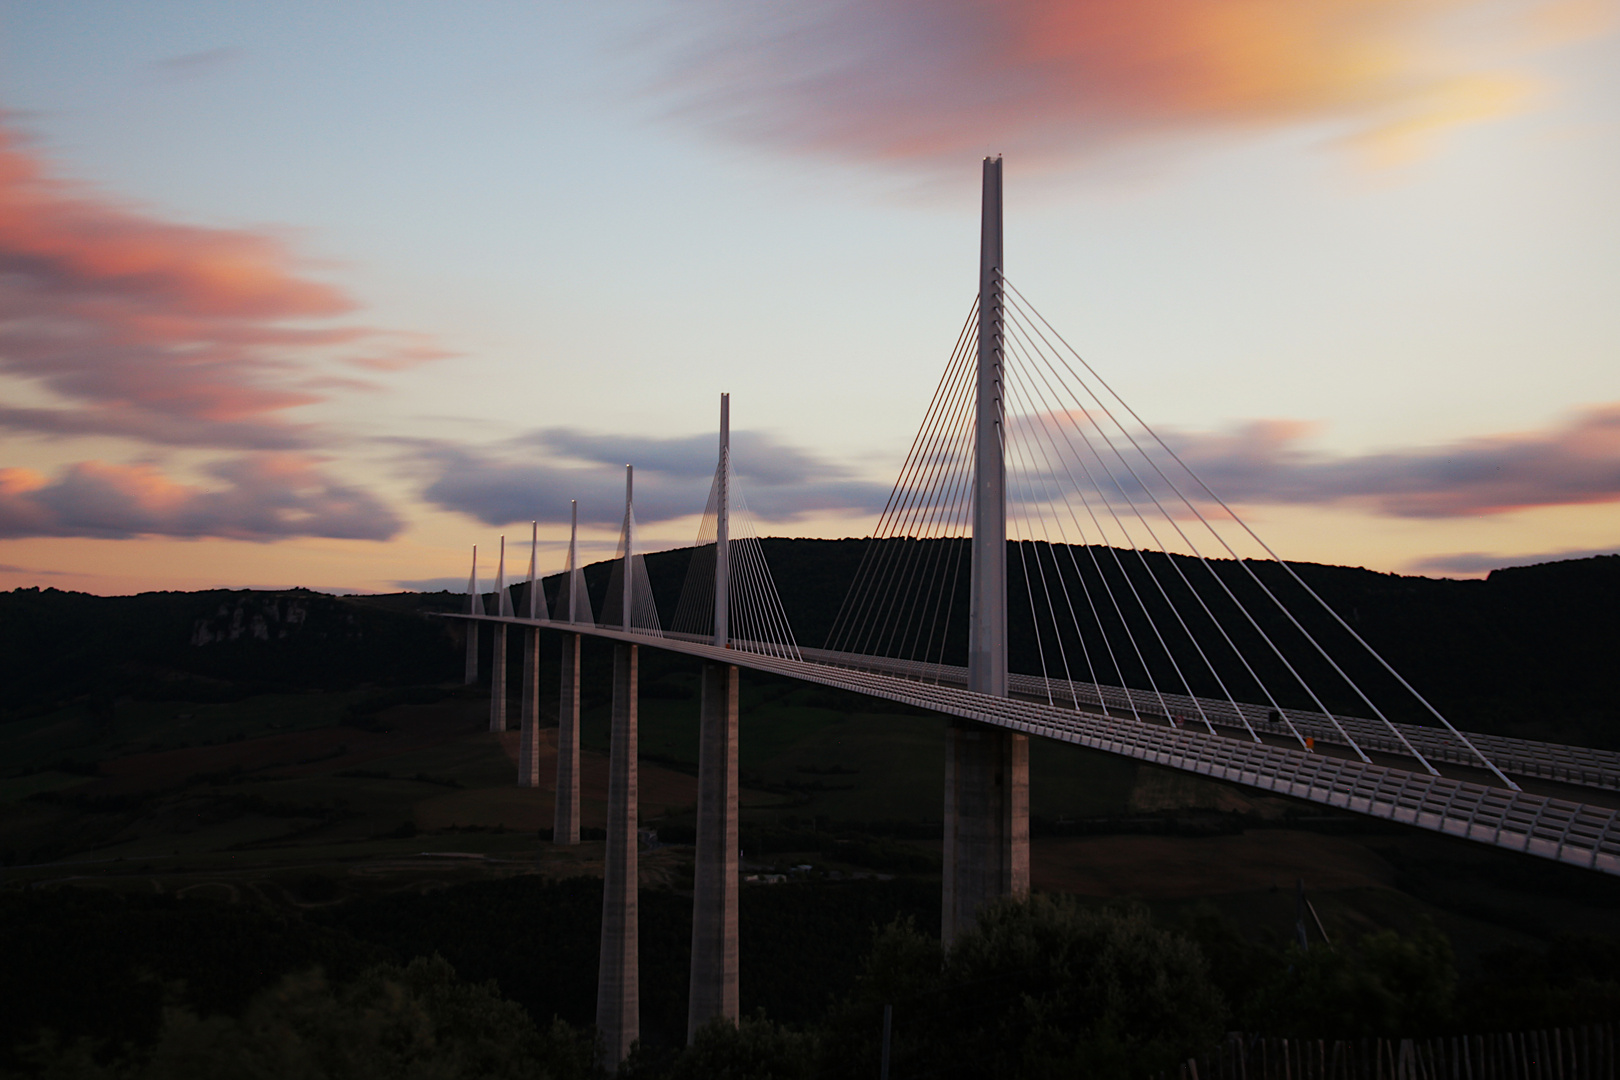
322 295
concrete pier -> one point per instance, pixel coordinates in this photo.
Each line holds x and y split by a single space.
529 711
497 679
475 606
986 768
565 821
618 980
986 821
713 987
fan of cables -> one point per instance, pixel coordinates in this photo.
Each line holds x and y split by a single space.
1133 589
755 620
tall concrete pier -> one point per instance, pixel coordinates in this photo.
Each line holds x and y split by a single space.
713 986
565 819
986 768
474 607
497 659
618 979
529 710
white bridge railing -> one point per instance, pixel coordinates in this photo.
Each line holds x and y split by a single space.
1568 832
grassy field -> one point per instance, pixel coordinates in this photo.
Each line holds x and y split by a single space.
303 800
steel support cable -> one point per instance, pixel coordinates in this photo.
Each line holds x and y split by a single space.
1250 571
1242 608
951 520
1141 557
1039 415
919 597
1374 653
1256 578
928 598
1152 623
951 425
1029 502
1135 509
1141 658
778 614
944 379
1023 563
692 612
1164 705
1035 504
1147 569
922 517
958 544
750 621
951 544
925 457
761 633
888 589
758 635
756 587
1096 616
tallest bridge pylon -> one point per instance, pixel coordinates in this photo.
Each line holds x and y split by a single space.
986 768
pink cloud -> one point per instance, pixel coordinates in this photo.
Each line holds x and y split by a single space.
162 332
260 497
934 83
1571 464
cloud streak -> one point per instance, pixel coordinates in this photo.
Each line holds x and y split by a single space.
165 333
1474 562
925 84
1574 463
262 497
536 475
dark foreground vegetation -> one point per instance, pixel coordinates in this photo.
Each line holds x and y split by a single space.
496 979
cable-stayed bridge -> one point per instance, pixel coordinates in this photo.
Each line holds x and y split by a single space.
1038 520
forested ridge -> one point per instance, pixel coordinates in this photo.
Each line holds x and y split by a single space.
1527 651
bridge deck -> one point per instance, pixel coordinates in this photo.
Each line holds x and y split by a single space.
1573 765
1568 832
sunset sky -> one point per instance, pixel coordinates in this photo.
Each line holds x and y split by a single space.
313 294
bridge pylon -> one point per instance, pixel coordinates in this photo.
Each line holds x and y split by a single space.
565 816
986 768
713 985
474 607
497 659
618 981
529 710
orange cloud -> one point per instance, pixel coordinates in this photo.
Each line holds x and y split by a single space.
262 497
926 82
162 332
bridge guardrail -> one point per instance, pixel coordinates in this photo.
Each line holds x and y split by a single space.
1557 829
1578 766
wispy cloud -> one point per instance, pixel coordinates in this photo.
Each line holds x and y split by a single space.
1573 463
261 497
1475 562
165 333
925 84
511 482
197 65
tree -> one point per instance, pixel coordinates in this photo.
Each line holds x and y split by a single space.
1043 986
418 1022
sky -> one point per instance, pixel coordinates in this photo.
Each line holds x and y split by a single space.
322 295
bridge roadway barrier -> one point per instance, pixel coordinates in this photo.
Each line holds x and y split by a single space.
1568 832
1575 765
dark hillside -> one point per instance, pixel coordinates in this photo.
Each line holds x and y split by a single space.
57 647
1528 651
